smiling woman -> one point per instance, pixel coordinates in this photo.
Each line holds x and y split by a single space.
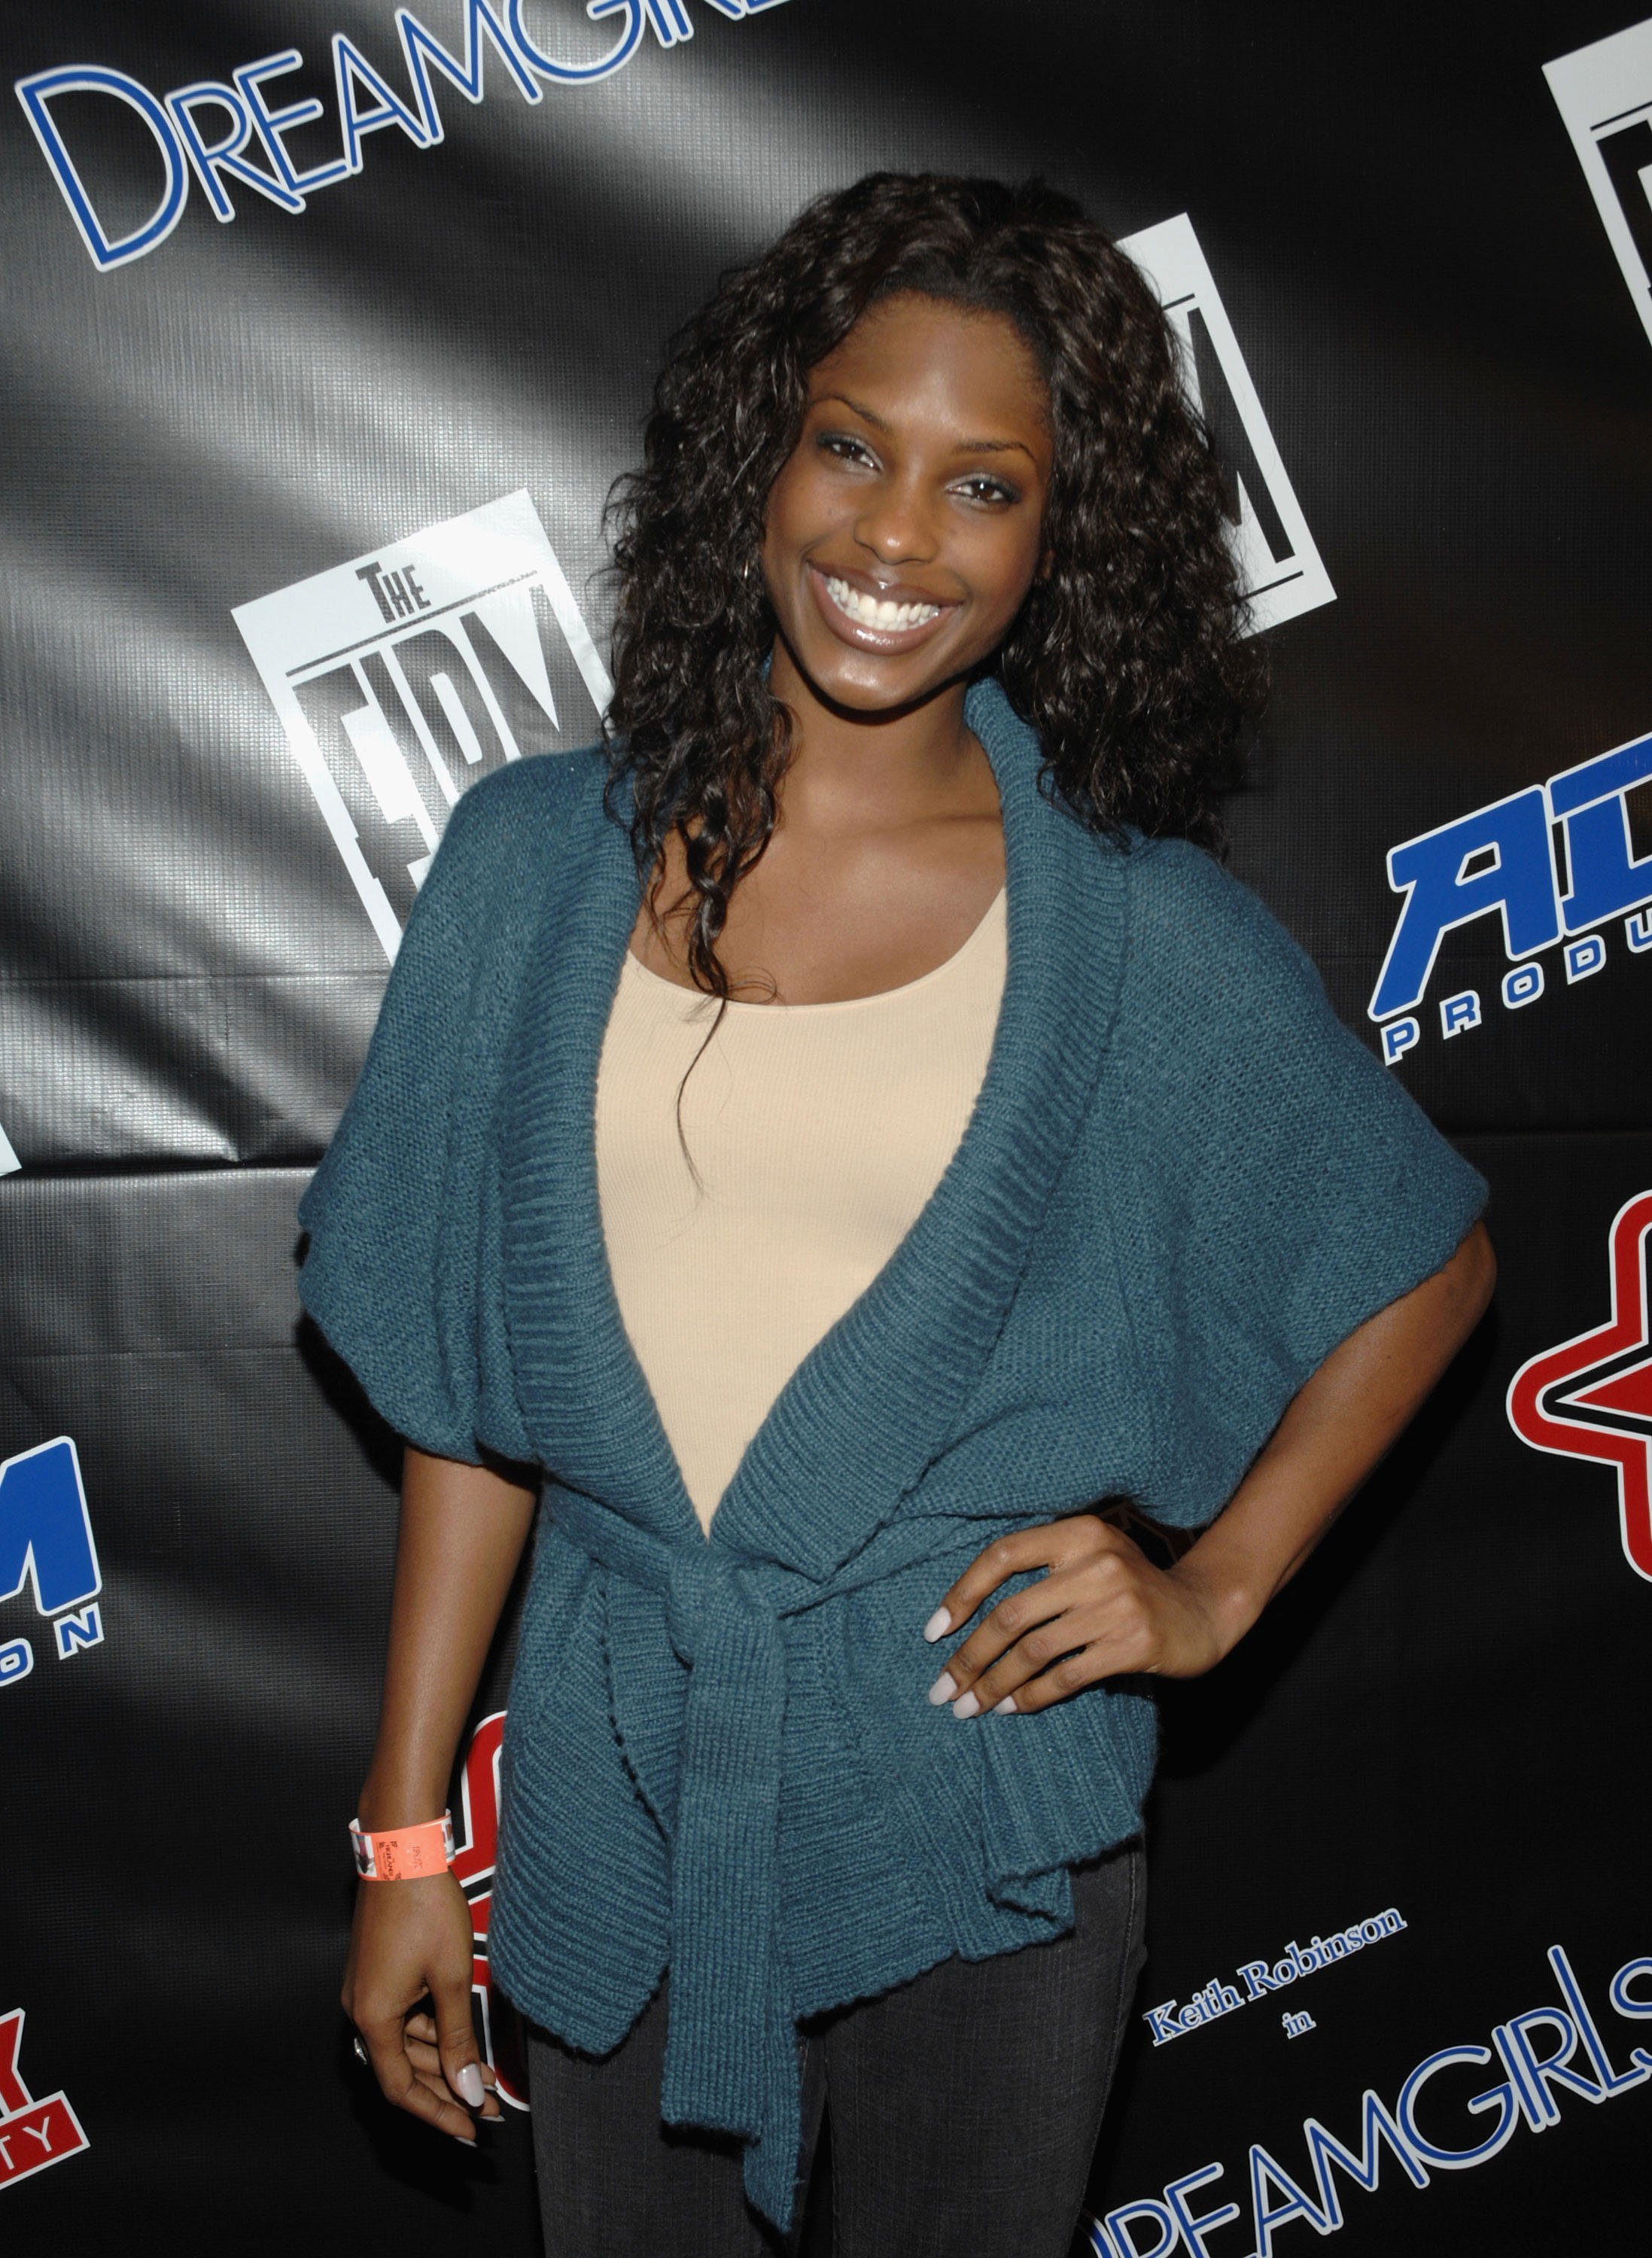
975 406
894 523
824 1153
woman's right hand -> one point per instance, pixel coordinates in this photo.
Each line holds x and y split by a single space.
462 1529
407 1939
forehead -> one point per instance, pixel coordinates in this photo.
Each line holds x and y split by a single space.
910 355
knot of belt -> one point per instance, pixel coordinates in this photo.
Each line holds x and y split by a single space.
694 1583
731 2060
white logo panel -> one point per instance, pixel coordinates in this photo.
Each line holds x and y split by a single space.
1605 94
403 676
1279 564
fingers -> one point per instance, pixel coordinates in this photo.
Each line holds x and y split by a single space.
1052 1544
1087 1666
401 2084
1021 1550
455 2042
1091 1616
423 2049
427 2067
1014 1620
424 2053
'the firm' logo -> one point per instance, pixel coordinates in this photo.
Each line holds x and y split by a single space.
1605 94
45 1539
402 677
1592 1397
32 2134
1280 567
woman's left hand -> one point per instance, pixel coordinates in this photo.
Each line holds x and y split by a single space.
1103 1610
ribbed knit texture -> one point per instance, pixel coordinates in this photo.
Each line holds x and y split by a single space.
1183 1182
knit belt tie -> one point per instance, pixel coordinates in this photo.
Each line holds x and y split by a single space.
731 2058
730 2049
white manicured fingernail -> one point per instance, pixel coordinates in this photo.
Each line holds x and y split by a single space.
468 2084
999 1708
943 1689
965 1705
938 1626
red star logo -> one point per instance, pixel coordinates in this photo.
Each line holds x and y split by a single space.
1592 1397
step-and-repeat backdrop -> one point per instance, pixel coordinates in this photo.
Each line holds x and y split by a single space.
329 323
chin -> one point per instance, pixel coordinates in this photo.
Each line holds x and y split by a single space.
867 686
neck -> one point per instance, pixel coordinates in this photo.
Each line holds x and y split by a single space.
847 765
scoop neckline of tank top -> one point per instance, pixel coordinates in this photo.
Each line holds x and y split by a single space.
835 1003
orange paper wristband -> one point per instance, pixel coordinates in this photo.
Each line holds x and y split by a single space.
402 1854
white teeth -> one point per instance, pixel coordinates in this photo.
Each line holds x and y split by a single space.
875 612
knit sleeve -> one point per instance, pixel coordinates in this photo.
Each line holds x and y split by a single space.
1291 1187
402 1271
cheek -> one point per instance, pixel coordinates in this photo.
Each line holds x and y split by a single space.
795 501
1002 563
809 502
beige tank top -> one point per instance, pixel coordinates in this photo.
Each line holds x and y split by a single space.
819 1131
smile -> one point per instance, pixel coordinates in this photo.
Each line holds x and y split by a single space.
887 624
870 611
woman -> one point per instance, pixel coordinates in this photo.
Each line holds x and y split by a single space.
820 1159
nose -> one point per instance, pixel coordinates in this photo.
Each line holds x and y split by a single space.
895 526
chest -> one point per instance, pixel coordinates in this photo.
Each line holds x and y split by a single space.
834 918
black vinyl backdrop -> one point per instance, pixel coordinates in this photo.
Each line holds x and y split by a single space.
310 419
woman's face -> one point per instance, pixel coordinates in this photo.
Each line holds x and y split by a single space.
904 530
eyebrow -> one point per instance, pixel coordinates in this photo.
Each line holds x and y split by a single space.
965 446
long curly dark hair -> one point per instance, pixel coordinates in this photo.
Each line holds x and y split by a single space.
1128 657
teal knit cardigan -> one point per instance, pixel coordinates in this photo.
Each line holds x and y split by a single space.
1183 1182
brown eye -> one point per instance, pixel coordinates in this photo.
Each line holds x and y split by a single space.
844 446
987 490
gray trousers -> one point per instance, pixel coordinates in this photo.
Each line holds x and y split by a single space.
962 2111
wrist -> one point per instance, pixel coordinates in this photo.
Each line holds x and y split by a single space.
386 1803
1224 1595
398 1854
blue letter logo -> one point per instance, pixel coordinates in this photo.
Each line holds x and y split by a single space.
1441 891
1589 801
46 1532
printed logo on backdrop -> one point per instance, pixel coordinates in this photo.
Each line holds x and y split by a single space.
1280 567
209 131
405 675
1506 860
1592 1396
1262 1979
1605 94
473 1863
32 2134
46 1543
1444 2117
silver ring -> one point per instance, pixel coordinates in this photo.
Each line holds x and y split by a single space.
361 2051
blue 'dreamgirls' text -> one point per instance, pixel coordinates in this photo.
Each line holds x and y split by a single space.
1551 2053
208 130
1261 1977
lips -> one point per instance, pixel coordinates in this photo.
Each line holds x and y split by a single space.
873 618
